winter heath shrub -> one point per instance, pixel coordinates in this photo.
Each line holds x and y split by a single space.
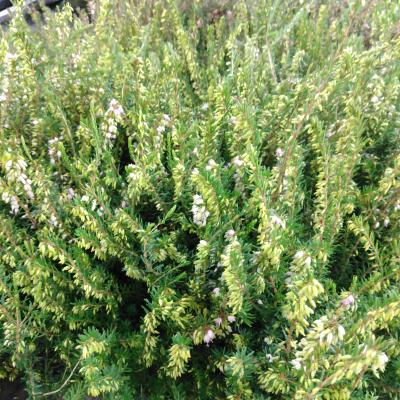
201 200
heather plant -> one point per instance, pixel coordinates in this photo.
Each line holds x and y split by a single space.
201 200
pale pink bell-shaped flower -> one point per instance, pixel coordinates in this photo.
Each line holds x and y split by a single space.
348 301
230 234
279 152
209 336
71 194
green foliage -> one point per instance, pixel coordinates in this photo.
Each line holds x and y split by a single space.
200 199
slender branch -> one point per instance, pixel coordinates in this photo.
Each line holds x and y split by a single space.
64 384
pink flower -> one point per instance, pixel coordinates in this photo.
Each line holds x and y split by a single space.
209 336
218 322
279 152
348 301
71 194
278 221
230 234
216 291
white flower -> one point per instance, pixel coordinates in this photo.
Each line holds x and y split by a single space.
119 111
203 243
233 120
218 322
85 198
279 152
216 291
386 222
211 165
53 220
112 129
113 103
278 221
166 117
375 99
268 340
204 107
14 205
329 338
299 254
161 129
322 336
269 358
307 261
197 199
70 193
231 318
22 164
230 234
341 332
29 192
377 225
200 214
112 117
209 336
10 56
35 122
8 165
237 161
382 359
318 323
259 301
5 197
296 363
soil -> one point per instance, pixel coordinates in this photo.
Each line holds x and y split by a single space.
12 390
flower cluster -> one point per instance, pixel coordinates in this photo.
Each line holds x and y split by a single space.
200 213
15 174
164 124
113 117
209 336
211 165
53 149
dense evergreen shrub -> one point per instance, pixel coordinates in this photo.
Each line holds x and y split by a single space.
200 200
